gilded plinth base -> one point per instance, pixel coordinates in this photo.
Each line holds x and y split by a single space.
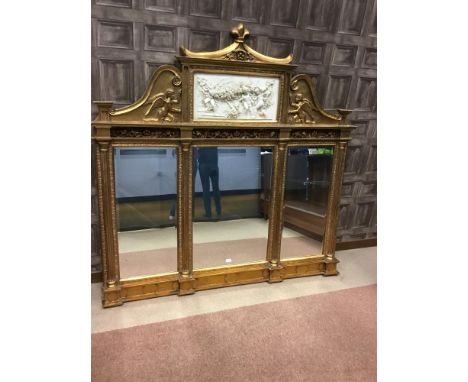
187 285
330 266
275 273
111 297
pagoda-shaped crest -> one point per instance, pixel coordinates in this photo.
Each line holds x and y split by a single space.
237 51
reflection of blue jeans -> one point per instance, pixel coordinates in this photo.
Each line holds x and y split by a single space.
210 172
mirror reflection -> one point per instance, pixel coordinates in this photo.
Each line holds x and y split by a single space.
146 194
229 223
308 177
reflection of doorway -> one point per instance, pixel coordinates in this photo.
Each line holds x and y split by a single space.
306 190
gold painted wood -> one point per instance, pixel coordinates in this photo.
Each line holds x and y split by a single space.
276 211
329 244
161 101
163 116
237 51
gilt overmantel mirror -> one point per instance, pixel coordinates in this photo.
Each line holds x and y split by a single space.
226 171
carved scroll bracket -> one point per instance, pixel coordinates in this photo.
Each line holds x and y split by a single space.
161 101
304 107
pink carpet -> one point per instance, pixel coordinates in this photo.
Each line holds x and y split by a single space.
322 337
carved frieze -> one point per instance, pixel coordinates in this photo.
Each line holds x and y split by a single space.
309 133
235 134
144 132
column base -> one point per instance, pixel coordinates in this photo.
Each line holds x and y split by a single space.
275 273
187 285
111 296
330 266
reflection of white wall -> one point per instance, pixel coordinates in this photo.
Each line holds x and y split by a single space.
151 174
145 174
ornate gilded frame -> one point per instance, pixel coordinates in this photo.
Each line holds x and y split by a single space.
163 116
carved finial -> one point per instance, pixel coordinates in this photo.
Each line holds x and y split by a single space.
240 33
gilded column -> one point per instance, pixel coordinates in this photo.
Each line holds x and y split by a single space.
109 247
276 212
329 242
184 219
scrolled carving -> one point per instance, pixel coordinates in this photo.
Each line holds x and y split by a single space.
315 133
161 101
144 132
237 51
304 107
234 133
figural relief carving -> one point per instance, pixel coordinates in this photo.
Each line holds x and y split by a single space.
301 110
235 97
162 107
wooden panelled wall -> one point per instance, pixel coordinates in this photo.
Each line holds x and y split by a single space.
335 41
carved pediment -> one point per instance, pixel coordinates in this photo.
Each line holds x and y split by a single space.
161 101
237 51
304 107
164 102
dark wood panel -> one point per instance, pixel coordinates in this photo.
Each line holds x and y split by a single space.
246 10
161 5
284 12
320 14
160 38
313 53
115 34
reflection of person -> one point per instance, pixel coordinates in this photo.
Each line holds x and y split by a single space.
208 167
194 174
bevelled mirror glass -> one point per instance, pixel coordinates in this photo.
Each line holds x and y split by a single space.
146 194
307 186
230 225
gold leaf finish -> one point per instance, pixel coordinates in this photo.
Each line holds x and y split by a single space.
237 51
304 107
161 101
163 116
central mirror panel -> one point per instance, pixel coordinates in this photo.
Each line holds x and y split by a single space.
229 223
146 194
307 186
